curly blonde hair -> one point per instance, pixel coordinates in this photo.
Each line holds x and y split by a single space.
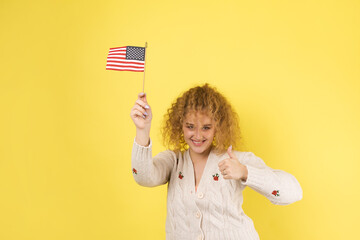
207 100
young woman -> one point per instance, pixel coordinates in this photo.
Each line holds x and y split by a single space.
205 176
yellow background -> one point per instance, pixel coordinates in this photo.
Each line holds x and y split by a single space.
290 69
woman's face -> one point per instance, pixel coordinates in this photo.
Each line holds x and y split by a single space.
199 132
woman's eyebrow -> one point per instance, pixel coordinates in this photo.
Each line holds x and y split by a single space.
207 125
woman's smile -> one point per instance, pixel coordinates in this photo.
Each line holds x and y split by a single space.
198 143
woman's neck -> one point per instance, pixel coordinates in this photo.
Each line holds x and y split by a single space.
199 157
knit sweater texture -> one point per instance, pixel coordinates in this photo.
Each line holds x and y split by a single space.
214 209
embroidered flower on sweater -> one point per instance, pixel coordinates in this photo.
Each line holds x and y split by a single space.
134 171
275 193
181 175
216 177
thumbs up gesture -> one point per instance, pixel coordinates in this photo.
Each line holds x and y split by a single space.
231 168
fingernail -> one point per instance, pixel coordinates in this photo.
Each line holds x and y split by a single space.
144 116
147 107
146 113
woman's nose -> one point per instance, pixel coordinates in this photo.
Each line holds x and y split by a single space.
198 134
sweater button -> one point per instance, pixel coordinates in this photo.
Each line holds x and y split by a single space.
198 214
200 195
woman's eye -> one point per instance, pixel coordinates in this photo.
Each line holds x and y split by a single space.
190 127
206 128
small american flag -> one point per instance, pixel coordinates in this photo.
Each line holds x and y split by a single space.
126 59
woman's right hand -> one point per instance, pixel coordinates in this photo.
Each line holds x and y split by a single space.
141 113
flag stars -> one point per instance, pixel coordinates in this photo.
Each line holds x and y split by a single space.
135 53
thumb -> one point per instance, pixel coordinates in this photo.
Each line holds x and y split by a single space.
229 151
142 96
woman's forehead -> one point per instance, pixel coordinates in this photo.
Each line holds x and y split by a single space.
202 117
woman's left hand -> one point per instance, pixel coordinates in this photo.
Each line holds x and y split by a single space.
231 168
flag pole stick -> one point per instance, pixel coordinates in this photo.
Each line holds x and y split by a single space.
144 68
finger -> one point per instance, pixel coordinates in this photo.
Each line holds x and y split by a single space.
140 95
231 154
221 163
137 113
224 171
222 168
142 104
227 177
141 109
144 98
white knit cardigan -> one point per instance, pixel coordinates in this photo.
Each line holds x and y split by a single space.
214 211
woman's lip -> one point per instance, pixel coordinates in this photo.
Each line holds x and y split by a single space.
198 143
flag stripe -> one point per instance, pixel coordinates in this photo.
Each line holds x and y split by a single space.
118 58
122 64
117 52
124 60
125 65
125 69
117 55
117 48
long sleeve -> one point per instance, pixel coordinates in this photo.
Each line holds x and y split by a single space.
149 171
280 187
